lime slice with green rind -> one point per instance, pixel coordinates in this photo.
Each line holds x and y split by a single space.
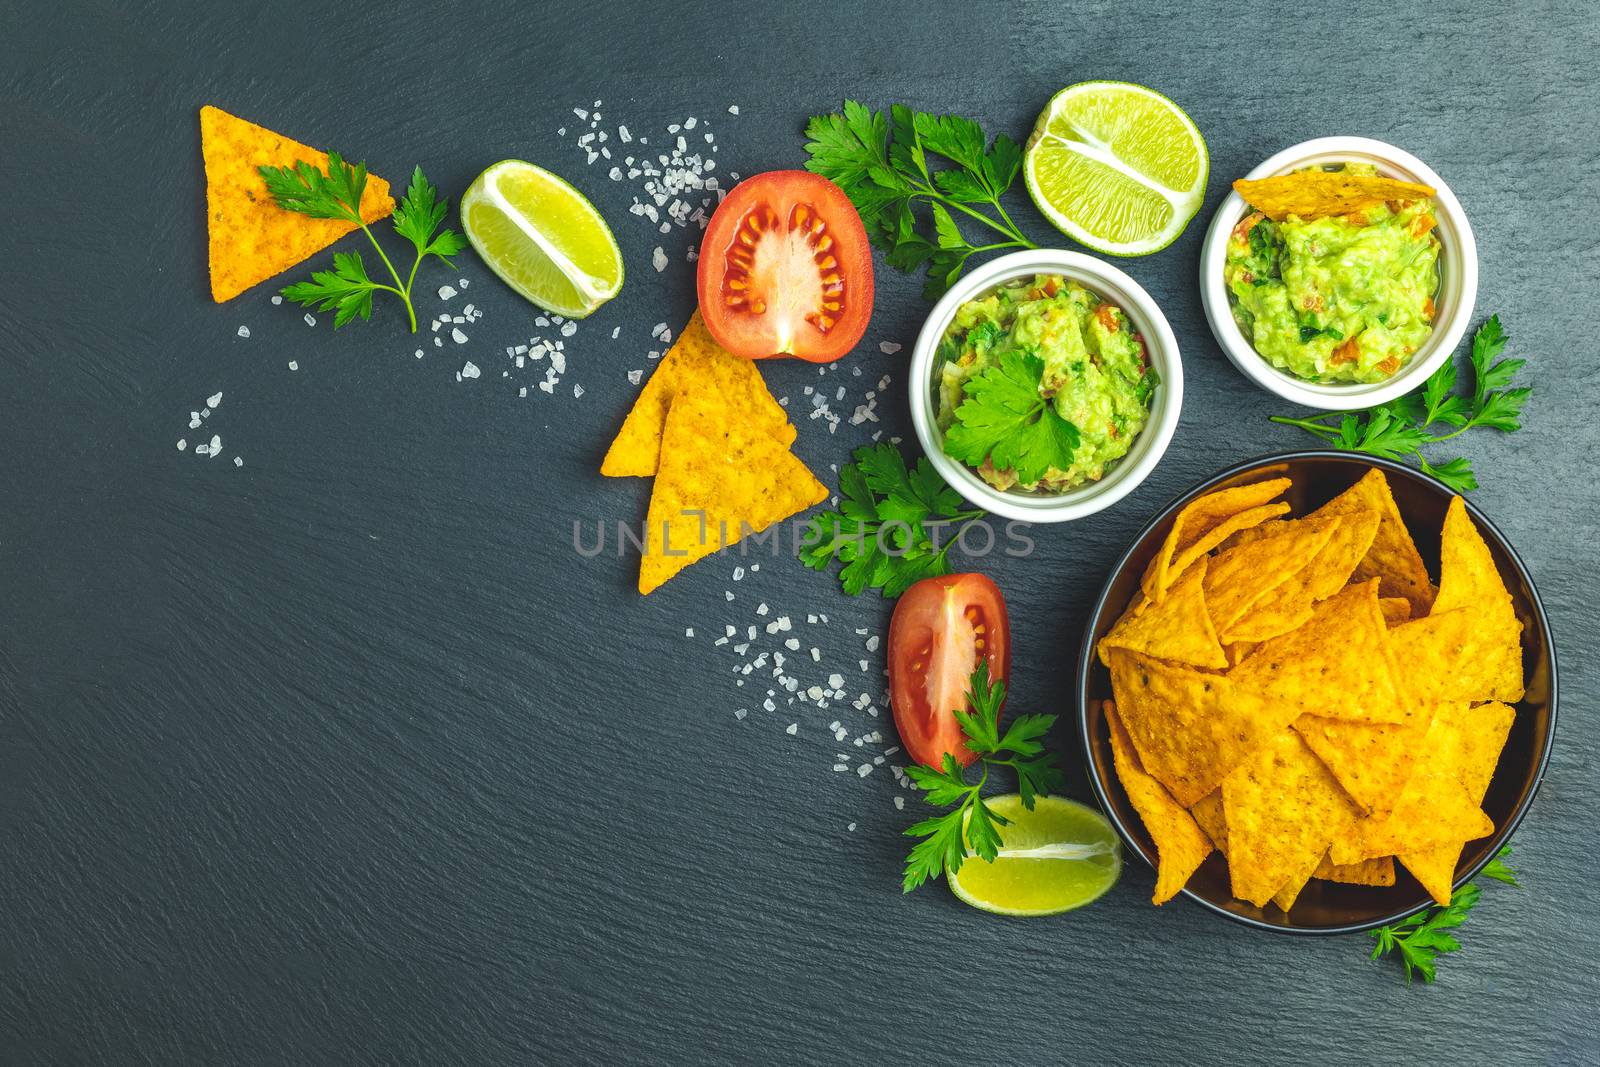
543 238
1057 857
1117 167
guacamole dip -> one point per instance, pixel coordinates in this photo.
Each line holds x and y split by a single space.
1084 361
1346 298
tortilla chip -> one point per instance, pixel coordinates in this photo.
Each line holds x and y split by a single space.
1208 813
1339 664
251 237
718 481
1241 577
1190 728
1206 522
1298 879
1472 740
1440 804
1467 574
1288 607
695 361
1282 808
1177 629
1181 846
1460 656
1396 609
1393 557
1317 194
1372 761
1376 871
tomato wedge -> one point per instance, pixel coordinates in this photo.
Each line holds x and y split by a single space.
785 269
941 627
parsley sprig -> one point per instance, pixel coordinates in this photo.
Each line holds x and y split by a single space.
1423 938
890 170
1403 427
884 531
336 194
972 823
1004 419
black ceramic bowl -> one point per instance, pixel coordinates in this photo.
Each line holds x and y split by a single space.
1327 907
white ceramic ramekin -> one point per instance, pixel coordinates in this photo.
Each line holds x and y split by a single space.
1161 349
1458 278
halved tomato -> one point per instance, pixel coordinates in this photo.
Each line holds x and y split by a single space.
941 628
785 269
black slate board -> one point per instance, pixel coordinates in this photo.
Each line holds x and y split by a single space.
343 756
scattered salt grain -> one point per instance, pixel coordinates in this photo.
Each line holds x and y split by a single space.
457 336
470 370
447 292
658 260
688 631
238 461
182 444
888 348
634 376
244 331
310 319
295 364
733 109
213 400
577 392
277 299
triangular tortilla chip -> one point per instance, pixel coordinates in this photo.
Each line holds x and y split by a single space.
695 362
717 482
1460 655
1338 665
1289 605
1472 741
1373 761
251 237
1440 804
1177 629
1206 522
1393 557
1467 574
1243 576
1181 846
1377 871
1318 194
1188 727
1282 809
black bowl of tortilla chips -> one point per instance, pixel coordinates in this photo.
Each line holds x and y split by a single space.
1320 681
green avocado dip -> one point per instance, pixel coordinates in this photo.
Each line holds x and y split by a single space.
1347 298
1041 385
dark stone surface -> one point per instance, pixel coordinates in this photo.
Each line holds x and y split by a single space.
342 756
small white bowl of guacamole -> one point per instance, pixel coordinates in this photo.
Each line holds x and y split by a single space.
1400 283
1046 385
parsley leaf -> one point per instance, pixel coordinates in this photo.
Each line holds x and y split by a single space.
336 194
973 828
1003 419
890 529
890 170
1421 939
1402 428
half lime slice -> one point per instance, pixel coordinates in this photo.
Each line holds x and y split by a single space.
1117 167
1059 856
542 237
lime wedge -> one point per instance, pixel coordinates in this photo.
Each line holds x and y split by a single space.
542 237
1116 167
1059 856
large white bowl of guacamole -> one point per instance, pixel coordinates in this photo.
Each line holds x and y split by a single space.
1046 385
1341 313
